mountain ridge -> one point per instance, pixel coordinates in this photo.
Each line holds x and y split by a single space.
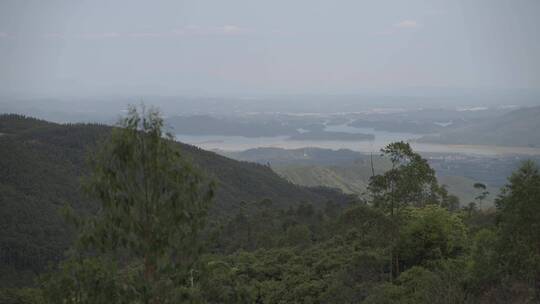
41 164
520 127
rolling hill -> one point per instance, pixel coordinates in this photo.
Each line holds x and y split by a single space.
41 164
517 128
345 169
355 178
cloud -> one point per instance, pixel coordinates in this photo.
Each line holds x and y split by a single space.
3 35
407 24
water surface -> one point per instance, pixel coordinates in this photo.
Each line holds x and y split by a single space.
382 138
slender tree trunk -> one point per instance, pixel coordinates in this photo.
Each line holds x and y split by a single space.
372 167
537 277
397 265
537 286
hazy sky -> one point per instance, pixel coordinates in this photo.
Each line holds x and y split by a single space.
57 48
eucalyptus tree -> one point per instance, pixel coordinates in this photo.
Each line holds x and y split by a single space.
482 194
152 203
410 182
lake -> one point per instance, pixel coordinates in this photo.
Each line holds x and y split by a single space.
382 138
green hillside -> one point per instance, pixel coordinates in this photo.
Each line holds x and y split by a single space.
517 128
463 188
350 171
354 179
320 175
260 252
41 165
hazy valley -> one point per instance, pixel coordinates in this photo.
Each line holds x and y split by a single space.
269 152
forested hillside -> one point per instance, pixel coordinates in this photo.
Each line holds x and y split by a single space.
152 241
41 165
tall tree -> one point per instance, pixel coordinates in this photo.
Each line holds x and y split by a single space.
519 224
482 194
410 182
152 206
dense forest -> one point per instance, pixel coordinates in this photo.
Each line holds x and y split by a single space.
41 166
154 227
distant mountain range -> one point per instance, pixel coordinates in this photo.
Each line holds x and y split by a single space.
329 136
517 128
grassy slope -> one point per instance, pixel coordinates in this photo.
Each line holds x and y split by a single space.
355 178
312 175
344 169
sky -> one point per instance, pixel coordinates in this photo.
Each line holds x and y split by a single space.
102 47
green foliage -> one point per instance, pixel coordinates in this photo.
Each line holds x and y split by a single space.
298 235
505 260
151 199
482 194
152 206
41 164
369 226
429 234
419 285
519 225
323 273
21 296
15 123
484 265
306 256
410 181
85 280
407 244
448 201
39 172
